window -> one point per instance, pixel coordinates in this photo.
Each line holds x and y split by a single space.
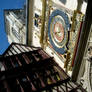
16 33
36 21
8 64
7 27
15 62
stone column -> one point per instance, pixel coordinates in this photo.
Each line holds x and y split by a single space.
83 41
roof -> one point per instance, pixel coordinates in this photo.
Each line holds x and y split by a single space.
33 71
16 48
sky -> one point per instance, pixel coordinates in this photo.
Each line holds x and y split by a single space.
7 4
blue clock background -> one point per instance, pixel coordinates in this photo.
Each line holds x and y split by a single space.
7 4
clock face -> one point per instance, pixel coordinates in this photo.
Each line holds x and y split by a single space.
58 30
